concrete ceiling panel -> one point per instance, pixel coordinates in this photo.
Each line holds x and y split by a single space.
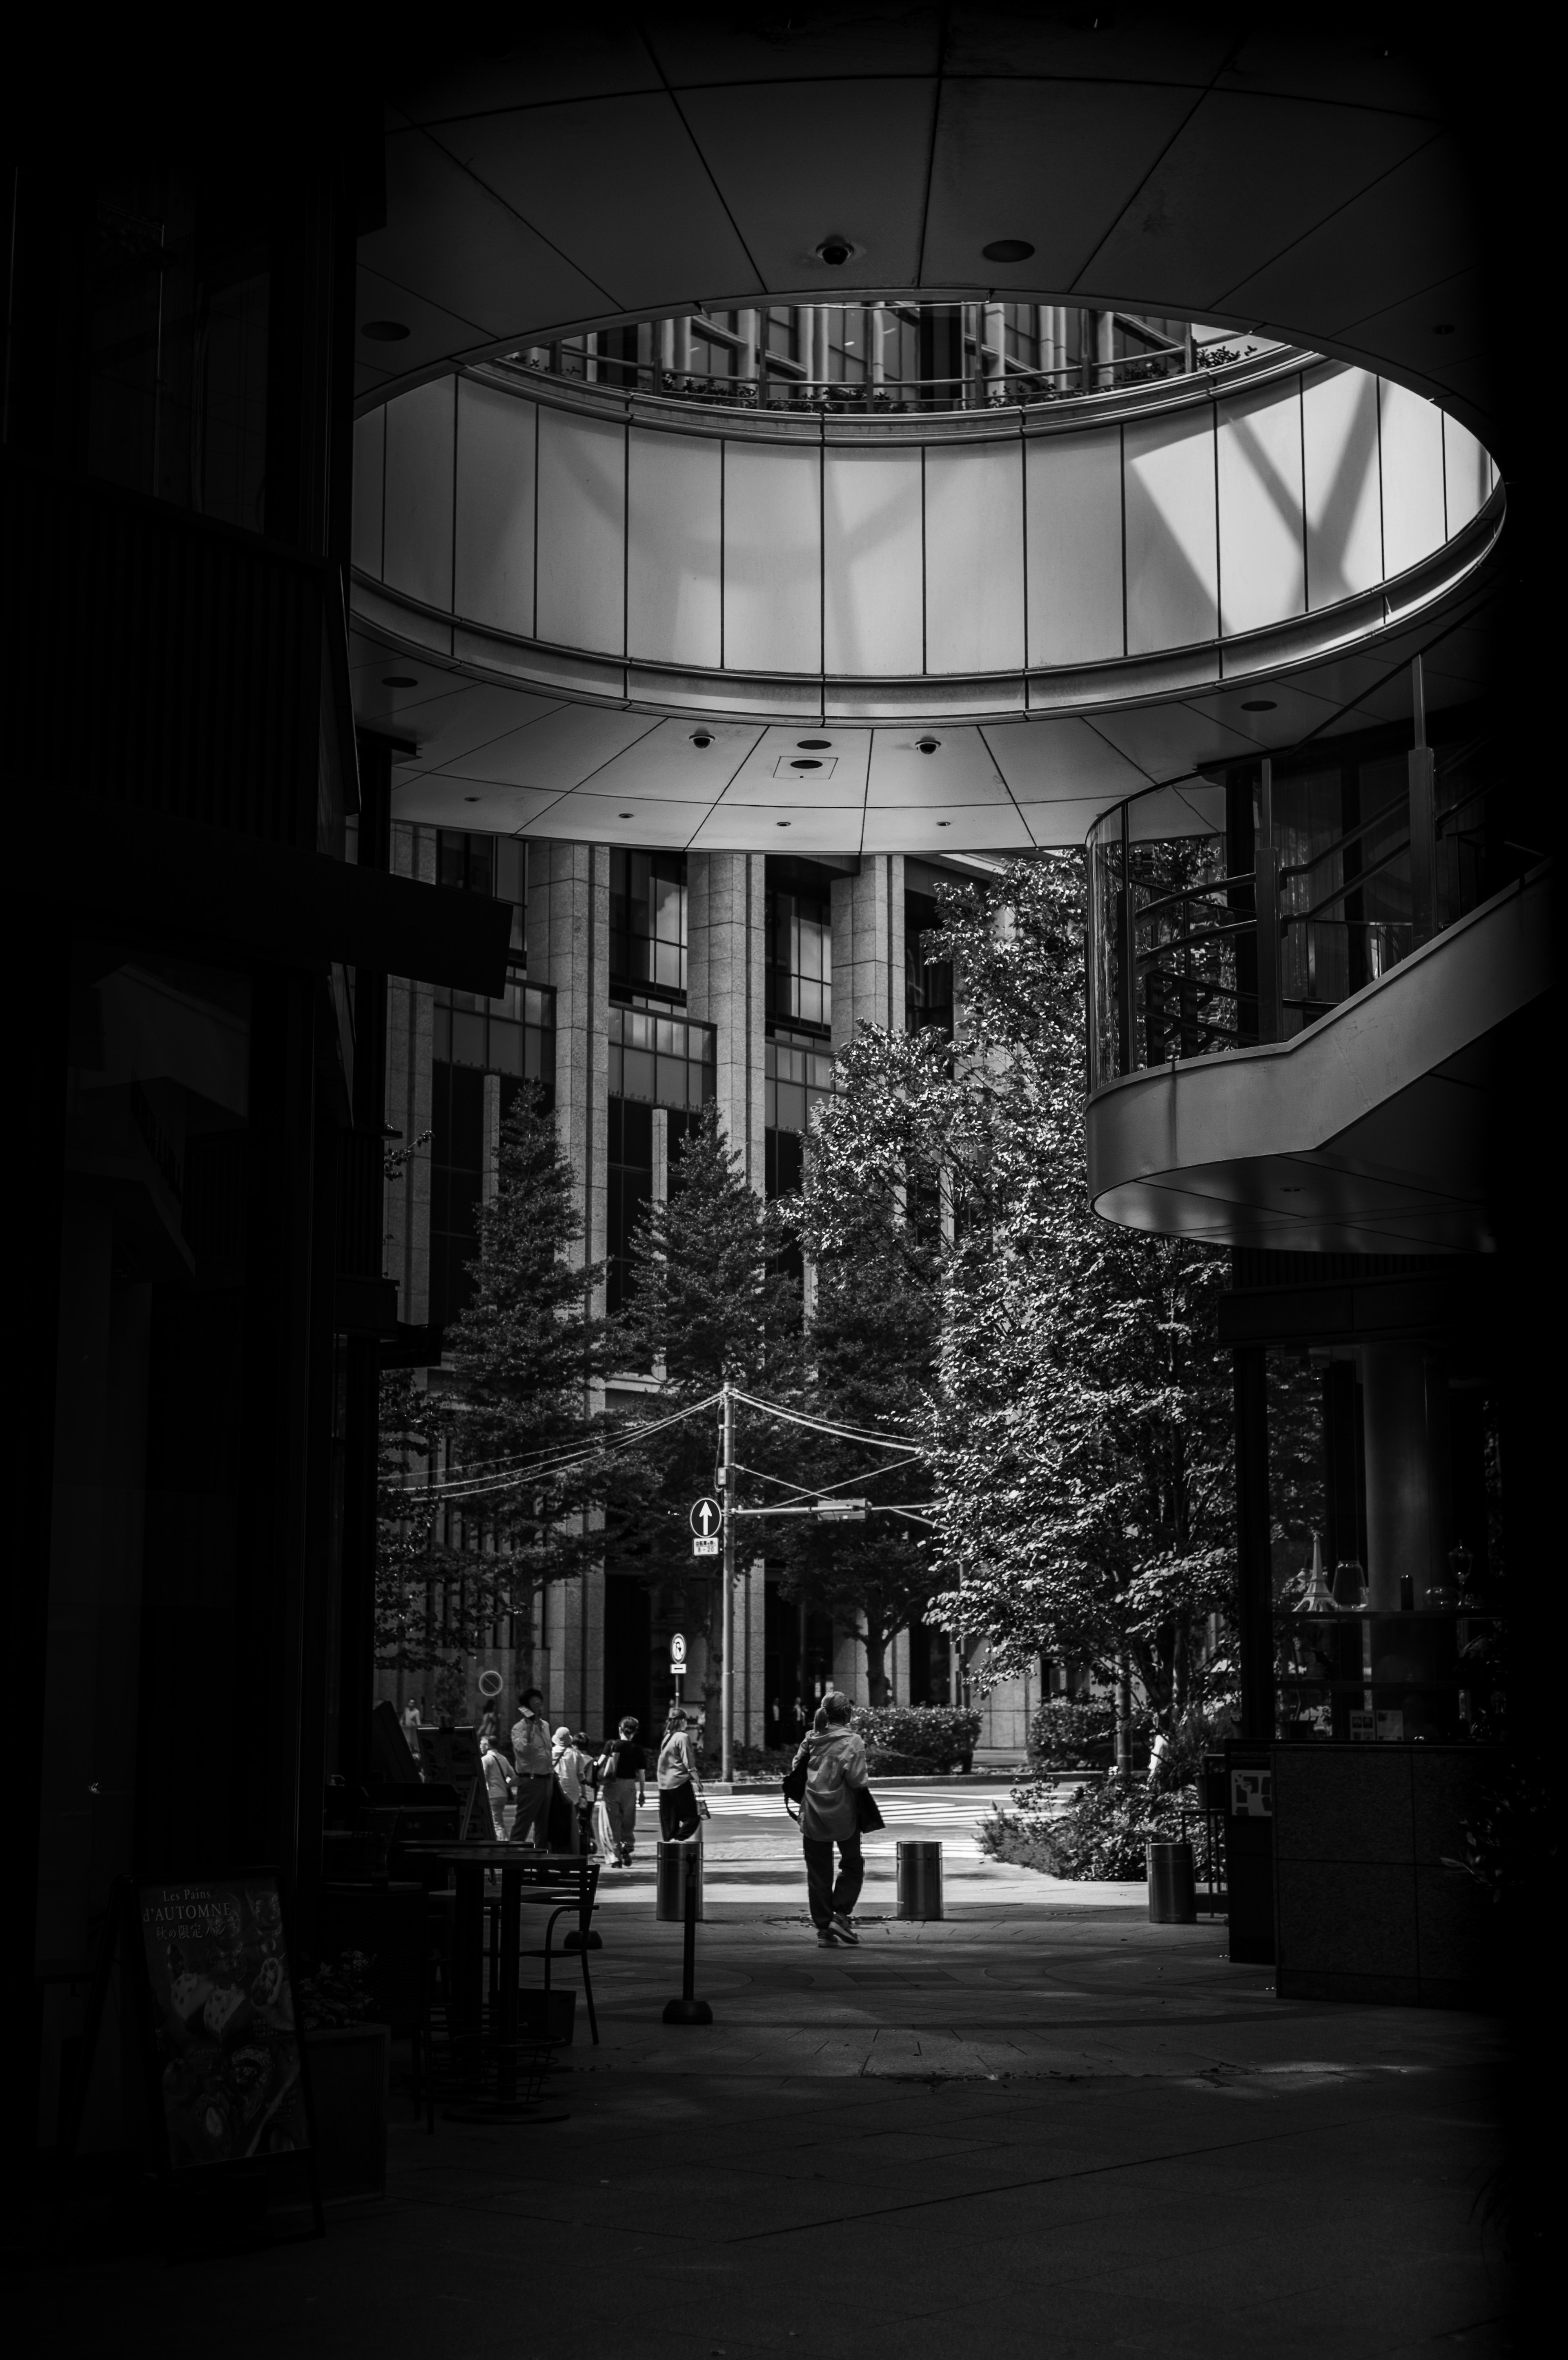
666 766
953 827
698 51
478 803
669 245
1063 760
733 826
547 65
961 772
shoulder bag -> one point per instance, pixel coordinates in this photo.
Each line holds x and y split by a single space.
867 1817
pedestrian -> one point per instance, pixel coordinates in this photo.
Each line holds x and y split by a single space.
536 1778
572 1768
679 1782
833 1757
411 1727
500 1780
488 1725
624 1789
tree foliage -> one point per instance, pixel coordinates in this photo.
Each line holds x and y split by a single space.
1078 1417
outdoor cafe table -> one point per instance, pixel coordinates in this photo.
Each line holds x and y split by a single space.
541 1879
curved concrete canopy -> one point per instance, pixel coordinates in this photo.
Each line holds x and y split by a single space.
1300 182
1367 1133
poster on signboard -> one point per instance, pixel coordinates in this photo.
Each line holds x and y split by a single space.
229 2056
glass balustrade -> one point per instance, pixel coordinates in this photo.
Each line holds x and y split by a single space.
1238 907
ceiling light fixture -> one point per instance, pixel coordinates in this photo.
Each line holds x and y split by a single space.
625 814
398 680
780 823
471 798
929 745
700 738
1008 249
807 764
835 251
813 745
944 823
1259 705
385 332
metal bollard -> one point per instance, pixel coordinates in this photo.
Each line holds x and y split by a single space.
919 1879
679 1865
1171 1899
688 2008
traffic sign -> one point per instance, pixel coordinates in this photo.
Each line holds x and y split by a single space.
490 1684
700 1547
678 1649
705 1518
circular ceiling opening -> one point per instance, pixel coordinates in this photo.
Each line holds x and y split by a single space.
385 332
798 765
1008 249
398 680
1259 705
813 745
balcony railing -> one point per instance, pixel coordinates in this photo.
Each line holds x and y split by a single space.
1236 910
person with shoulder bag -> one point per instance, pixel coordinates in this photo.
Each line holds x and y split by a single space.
679 1782
830 1778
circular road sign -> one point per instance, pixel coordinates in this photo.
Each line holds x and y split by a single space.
678 1647
706 1517
490 1684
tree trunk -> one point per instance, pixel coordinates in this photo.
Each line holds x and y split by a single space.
1124 1719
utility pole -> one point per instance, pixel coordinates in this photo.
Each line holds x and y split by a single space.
726 1485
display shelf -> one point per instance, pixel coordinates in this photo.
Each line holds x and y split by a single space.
1422 1675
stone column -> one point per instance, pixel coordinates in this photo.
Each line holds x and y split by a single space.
868 947
1405 1431
410 1019
725 940
750 1665
899 1666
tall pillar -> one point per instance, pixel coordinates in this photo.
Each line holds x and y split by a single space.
868 947
725 906
569 951
1255 1586
410 1022
1405 1420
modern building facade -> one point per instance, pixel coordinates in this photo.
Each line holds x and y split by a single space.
641 986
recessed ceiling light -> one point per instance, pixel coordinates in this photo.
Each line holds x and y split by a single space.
1442 327
700 738
944 823
812 745
385 332
836 251
1008 249
808 764
625 814
1259 705
471 798
398 680
1290 1191
780 823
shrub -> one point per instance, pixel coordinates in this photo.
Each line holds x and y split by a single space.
917 1738
1099 1835
1073 1734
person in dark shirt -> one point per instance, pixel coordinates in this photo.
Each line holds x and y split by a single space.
625 1779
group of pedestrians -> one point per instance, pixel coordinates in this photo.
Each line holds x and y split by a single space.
568 1797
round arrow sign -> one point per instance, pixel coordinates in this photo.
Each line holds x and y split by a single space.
678 1647
706 1517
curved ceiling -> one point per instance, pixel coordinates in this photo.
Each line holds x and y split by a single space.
1274 177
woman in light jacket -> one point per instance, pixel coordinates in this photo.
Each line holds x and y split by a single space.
834 1758
679 1782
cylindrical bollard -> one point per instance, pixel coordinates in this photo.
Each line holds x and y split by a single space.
688 2008
678 1865
919 1879
1172 1900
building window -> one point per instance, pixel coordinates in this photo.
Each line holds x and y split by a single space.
799 1075
514 1035
496 865
648 921
666 1060
927 983
630 1190
800 960
457 1183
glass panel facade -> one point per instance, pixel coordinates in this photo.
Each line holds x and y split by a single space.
927 983
648 921
514 1035
630 1190
800 960
666 1060
799 1075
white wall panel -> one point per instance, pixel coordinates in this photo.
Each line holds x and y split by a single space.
494 552
1172 590
1345 527
773 617
580 594
1074 528
1411 441
974 559
871 526
1263 575
418 543
369 454
674 494
1468 475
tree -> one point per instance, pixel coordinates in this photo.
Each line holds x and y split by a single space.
705 1307
1078 1423
524 1477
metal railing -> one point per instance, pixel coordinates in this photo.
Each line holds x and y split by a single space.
1238 909
781 385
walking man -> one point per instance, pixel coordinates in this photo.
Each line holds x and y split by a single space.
531 1753
572 1768
834 1759
625 1780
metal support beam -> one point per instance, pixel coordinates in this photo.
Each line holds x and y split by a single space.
1254 1600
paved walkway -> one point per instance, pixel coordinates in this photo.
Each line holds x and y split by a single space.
1042 2129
